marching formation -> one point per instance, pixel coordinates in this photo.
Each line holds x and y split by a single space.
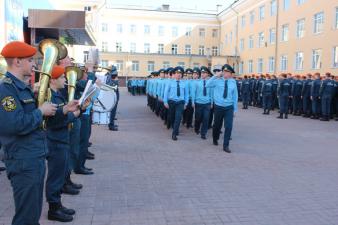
311 96
48 122
195 96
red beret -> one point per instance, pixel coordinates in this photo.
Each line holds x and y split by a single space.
57 72
18 49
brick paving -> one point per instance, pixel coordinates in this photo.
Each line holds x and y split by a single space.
281 172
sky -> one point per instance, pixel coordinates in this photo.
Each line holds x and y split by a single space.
188 4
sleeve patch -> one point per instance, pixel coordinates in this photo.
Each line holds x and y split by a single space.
8 103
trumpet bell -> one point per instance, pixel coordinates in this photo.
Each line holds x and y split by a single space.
62 50
77 70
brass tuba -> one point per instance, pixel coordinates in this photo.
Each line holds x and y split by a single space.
73 74
52 50
3 67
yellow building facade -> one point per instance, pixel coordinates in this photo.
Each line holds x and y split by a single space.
255 36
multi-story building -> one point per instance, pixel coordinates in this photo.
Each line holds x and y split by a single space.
255 36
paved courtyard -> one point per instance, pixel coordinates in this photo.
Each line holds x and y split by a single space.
281 172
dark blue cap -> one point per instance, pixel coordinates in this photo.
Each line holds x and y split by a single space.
178 69
196 70
227 67
205 69
188 70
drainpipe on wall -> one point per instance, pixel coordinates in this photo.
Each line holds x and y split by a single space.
277 35
236 47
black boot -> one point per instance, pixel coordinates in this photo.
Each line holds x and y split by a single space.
286 116
268 112
280 116
71 183
55 213
69 189
264 112
67 210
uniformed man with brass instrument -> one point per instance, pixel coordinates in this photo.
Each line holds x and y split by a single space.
21 135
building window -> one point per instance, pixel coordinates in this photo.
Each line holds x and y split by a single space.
316 59
243 21
146 29
202 32
201 50
160 48
285 32
318 23
174 31
299 61
214 51
252 17
195 65
261 12
181 64
188 32
85 56
118 47
241 67
104 46
214 33
271 64
251 42
104 63
335 57
284 63
336 17
241 45
160 31
188 49
151 66
119 28
261 39
135 66
250 66
272 36
166 64
133 28
174 49
119 65
132 47
273 8
226 39
299 2
104 27
146 48
286 4
88 8
300 28
260 65
231 37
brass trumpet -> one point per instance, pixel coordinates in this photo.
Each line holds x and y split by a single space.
3 67
97 68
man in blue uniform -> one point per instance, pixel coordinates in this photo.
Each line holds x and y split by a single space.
201 101
266 94
58 146
189 111
274 92
315 98
176 97
284 93
225 97
23 140
113 81
246 92
306 96
326 93
296 93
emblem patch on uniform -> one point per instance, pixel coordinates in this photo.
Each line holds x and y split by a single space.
8 103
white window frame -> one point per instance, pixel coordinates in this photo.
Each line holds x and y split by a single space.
251 42
260 65
285 33
166 64
299 62
335 57
273 8
174 31
188 31
174 49
146 48
132 28
241 67
318 23
160 48
316 59
181 64
104 27
272 64
187 49
151 66
146 29
214 33
104 46
241 44
286 5
300 28
201 50
252 17
250 66
135 66
160 31
261 39
119 65
214 51
119 28
284 63
201 32
243 21
132 47
261 11
272 36
118 46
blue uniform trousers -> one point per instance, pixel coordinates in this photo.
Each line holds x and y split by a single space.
326 105
58 157
74 145
188 114
27 180
316 106
267 101
112 116
307 105
225 114
246 99
297 104
284 104
175 111
202 112
84 140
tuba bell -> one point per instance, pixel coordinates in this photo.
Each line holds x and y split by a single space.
73 74
3 67
52 51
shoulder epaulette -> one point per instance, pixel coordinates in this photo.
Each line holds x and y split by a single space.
6 80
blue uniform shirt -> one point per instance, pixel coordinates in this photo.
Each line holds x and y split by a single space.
57 126
218 85
197 95
170 92
20 121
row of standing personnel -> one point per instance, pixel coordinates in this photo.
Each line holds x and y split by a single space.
174 94
310 96
137 86
27 143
